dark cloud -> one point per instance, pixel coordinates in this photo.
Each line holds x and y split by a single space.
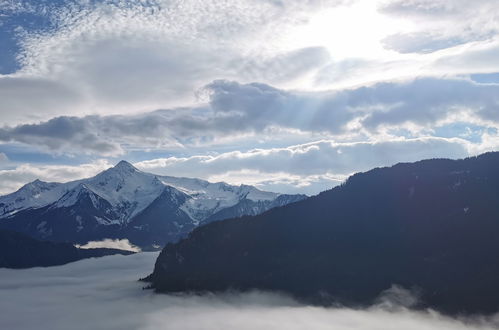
426 101
421 101
263 105
236 108
62 134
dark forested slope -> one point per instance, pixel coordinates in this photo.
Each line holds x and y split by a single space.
20 251
432 226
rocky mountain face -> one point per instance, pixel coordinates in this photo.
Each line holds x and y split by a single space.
21 251
123 202
430 226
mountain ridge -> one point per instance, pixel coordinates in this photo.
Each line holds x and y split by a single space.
112 204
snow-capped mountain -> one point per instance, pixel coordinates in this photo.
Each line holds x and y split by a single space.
124 202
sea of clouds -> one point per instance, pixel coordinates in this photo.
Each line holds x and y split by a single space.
104 293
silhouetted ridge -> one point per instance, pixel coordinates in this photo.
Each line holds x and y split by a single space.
432 225
21 251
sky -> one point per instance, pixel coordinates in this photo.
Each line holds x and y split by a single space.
290 96
103 293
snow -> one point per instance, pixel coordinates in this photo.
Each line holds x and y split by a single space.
106 222
129 191
41 225
71 197
43 230
33 195
208 198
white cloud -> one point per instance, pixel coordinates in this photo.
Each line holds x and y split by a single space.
310 167
120 244
442 24
103 293
304 168
129 56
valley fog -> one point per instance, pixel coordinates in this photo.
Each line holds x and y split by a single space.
104 293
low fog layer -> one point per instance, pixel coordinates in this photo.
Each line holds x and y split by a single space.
104 294
120 244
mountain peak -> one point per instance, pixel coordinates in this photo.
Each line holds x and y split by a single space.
124 165
35 185
37 182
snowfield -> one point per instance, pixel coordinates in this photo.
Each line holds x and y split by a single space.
129 191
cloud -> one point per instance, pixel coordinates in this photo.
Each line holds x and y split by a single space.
120 244
277 139
303 168
103 293
34 98
92 73
127 56
425 102
68 134
422 102
284 68
109 135
479 59
420 42
310 167
12 179
442 24
257 110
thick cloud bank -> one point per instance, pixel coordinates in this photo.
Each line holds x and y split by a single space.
104 294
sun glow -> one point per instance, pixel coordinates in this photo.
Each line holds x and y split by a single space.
355 30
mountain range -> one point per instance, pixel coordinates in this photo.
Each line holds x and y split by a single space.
123 202
431 227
